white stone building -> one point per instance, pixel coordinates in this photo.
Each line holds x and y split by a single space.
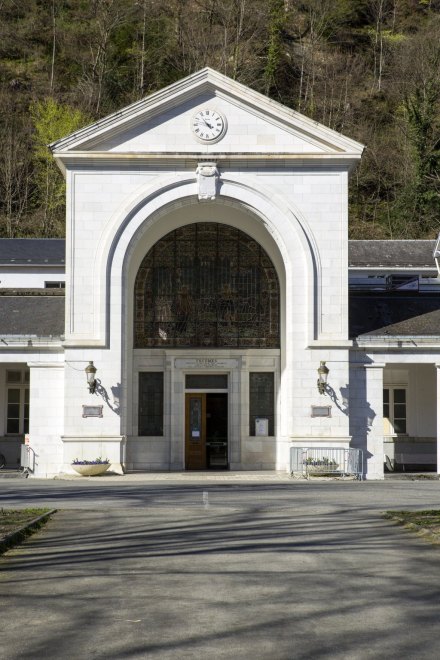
207 279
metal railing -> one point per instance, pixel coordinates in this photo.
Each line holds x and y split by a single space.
27 460
326 462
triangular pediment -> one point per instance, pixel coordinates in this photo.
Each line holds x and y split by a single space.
163 122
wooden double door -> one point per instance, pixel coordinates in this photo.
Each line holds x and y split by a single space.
206 431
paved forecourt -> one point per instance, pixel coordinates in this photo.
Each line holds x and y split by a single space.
202 568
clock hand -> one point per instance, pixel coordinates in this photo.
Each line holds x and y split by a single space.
205 122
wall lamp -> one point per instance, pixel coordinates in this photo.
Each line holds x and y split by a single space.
90 375
322 377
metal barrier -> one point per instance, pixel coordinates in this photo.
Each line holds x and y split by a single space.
27 460
326 462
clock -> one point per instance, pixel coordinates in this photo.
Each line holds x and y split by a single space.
208 125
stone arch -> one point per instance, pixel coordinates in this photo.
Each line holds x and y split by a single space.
144 210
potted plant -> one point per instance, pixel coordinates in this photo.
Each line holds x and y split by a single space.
320 465
91 468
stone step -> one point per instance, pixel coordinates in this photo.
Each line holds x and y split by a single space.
11 474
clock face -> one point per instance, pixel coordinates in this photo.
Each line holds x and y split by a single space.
208 125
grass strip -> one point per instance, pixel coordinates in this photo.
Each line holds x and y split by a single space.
18 535
424 523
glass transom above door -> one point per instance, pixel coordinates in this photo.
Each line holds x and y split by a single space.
206 382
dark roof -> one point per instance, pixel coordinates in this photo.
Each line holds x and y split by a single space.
424 325
361 254
41 316
394 314
50 251
391 254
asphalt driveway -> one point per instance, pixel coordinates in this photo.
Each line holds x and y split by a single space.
211 569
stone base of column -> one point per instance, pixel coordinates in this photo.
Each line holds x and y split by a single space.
375 476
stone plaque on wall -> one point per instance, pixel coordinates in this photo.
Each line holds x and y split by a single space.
92 411
321 411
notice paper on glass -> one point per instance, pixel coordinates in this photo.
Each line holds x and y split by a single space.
261 426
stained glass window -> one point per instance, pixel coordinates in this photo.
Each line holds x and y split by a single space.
207 285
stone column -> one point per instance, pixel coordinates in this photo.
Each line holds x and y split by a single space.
373 418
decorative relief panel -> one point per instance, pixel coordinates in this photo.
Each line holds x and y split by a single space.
207 178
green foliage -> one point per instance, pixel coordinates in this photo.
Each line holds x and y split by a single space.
424 523
16 525
393 38
97 461
423 193
51 121
366 68
422 116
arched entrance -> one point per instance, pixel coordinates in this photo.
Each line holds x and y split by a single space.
208 286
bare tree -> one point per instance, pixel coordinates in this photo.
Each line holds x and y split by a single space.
105 17
54 41
15 177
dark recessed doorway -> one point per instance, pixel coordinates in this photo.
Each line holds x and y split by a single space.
206 431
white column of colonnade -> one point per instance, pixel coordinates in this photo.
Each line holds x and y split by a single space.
438 416
374 420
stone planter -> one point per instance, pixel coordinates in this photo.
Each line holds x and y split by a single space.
91 470
322 469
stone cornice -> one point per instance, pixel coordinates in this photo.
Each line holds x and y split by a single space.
81 158
197 156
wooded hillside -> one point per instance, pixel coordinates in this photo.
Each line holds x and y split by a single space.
367 68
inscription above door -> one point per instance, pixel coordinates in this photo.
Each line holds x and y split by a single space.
205 363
